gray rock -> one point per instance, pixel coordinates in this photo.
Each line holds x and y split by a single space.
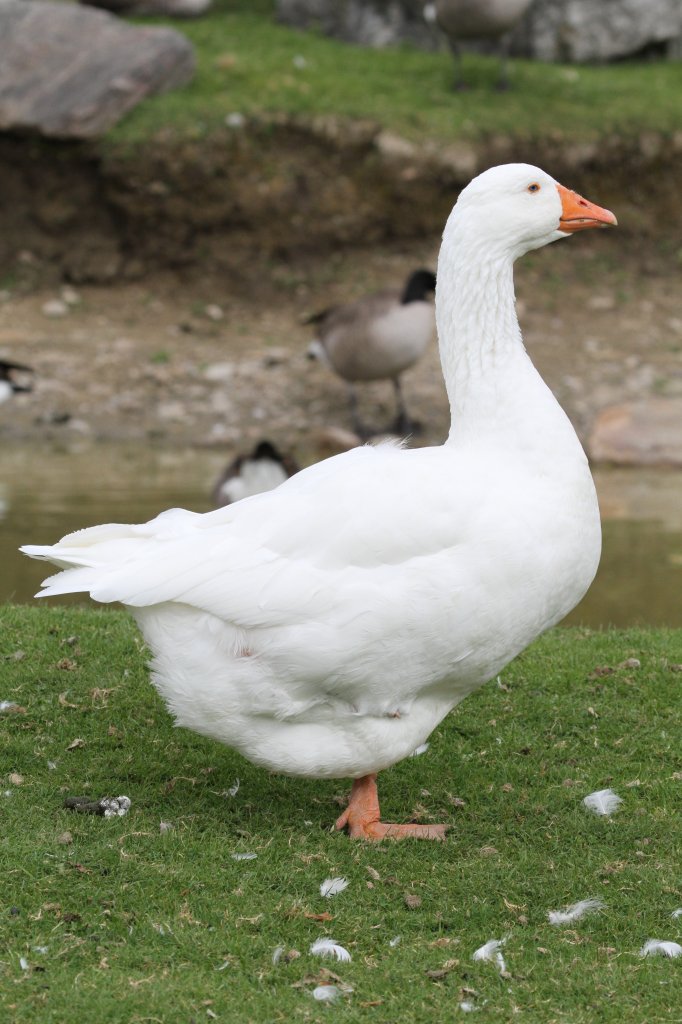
552 30
72 72
646 432
599 30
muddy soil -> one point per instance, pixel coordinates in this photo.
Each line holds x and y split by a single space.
186 359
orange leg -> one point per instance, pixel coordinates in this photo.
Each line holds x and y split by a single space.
361 817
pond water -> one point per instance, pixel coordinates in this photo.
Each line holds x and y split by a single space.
46 492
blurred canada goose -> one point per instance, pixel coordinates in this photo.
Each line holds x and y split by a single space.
325 628
463 20
262 470
377 337
8 385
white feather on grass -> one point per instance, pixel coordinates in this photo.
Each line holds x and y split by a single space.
421 749
395 941
676 913
492 950
277 954
326 993
603 802
328 948
575 911
332 886
659 947
243 856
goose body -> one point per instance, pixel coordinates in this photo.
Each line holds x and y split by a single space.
263 469
479 19
467 20
9 386
378 336
325 628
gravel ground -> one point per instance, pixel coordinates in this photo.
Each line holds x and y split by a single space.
197 361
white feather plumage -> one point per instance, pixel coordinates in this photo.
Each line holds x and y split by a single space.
676 913
328 948
421 749
243 856
333 886
492 950
603 802
661 947
326 993
575 911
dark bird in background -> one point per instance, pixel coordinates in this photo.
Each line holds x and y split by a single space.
469 20
8 385
262 470
377 337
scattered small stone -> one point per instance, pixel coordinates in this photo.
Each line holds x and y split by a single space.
214 311
235 120
65 838
54 308
16 779
412 900
70 296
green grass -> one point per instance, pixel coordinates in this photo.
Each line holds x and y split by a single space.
137 923
246 64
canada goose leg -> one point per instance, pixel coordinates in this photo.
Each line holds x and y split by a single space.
359 427
403 424
503 83
458 83
361 817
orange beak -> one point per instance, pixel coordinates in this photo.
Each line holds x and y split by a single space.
577 213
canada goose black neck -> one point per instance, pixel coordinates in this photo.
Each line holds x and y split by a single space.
418 286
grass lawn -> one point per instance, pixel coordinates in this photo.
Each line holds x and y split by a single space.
128 923
248 63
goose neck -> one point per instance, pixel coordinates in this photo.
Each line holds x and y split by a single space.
479 336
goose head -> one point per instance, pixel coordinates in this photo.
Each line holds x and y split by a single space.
511 209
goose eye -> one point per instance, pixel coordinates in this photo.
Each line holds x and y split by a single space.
534 187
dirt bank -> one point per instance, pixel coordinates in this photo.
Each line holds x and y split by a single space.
282 189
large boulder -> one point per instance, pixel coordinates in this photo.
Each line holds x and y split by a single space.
72 72
642 433
552 30
599 30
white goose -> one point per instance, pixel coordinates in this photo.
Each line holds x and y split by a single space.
325 628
